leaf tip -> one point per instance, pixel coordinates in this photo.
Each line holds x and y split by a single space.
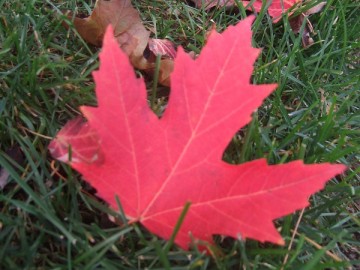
339 168
249 20
109 35
280 242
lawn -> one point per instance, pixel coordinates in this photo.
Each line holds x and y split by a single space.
51 219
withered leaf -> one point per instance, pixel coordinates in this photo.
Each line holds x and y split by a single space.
129 32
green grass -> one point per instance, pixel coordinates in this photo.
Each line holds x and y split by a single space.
50 222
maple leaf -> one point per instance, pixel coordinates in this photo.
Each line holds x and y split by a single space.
276 8
128 28
155 166
130 33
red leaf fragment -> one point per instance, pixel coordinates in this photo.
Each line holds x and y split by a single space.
162 47
157 165
77 133
276 8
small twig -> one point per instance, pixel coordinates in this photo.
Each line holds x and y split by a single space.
36 133
56 172
329 253
292 239
312 242
155 82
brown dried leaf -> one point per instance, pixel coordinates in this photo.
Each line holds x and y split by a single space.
130 33
128 28
296 23
17 156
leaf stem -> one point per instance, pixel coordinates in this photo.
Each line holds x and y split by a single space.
155 82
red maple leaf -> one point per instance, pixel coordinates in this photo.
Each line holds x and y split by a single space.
275 9
155 165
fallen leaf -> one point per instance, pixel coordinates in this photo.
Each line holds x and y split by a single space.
167 51
4 175
162 47
128 28
276 8
327 106
155 166
77 132
315 9
129 31
14 153
297 21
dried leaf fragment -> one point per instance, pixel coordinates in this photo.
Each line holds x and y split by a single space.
17 156
296 23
